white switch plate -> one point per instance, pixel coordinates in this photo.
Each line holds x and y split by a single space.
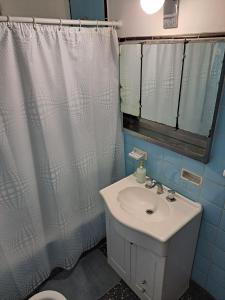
224 173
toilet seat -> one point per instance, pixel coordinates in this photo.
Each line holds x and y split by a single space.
48 295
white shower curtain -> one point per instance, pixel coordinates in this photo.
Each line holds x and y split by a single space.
60 142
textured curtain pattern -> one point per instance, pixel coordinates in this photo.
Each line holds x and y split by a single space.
202 70
161 76
60 142
130 78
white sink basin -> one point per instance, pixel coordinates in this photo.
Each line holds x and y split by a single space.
143 204
143 210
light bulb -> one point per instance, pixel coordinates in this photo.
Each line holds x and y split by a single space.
151 6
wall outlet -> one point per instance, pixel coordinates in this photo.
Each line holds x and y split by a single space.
192 177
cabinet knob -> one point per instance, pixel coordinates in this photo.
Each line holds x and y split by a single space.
142 289
143 282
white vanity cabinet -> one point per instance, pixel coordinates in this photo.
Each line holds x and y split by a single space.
152 276
152 252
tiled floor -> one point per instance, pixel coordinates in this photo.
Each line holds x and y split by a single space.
122 291
119 292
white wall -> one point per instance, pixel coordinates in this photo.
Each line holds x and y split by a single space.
35 8
195 16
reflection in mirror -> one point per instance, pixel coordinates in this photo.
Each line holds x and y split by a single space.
161 78
200 82
130 78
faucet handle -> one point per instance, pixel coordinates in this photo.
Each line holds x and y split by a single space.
171 192
171 195
150 183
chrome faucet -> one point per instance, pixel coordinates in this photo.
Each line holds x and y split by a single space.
160 189
151 183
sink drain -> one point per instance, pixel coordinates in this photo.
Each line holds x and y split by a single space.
149 211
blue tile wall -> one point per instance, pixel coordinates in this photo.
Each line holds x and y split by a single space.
87 9
165 166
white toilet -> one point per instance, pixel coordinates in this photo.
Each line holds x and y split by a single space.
48 295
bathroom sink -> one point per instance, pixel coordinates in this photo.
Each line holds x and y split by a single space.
143 204
151 237
143 210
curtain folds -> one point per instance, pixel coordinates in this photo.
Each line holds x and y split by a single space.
60 142
161 77
130 78
202 70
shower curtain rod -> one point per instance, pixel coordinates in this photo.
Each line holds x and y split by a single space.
61 22
173 38
170 41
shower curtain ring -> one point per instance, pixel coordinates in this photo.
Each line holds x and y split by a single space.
34 24
8 22
60 24
79 24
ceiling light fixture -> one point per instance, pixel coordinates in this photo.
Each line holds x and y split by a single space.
151 6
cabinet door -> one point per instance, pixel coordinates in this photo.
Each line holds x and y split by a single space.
161 78
146 273
118 251
199 91
130 78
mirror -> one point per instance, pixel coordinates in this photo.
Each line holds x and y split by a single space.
130 78
161 78
179 82
170 92
200 82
